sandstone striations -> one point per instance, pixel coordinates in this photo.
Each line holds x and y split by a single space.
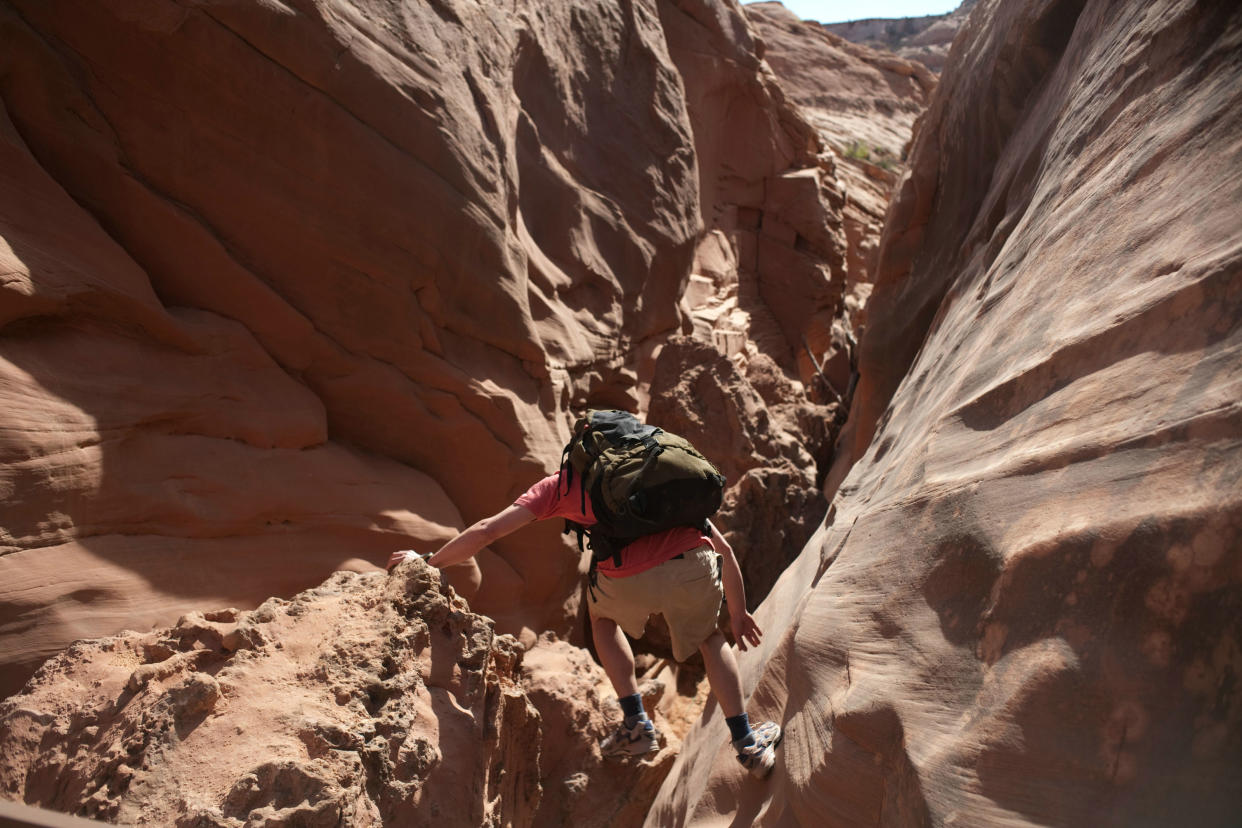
368 700
288 286
851 93
1023 606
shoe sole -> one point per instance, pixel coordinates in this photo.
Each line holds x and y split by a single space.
624 754
630 750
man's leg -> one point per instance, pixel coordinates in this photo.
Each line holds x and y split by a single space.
755 749
616 656
722 674
636 735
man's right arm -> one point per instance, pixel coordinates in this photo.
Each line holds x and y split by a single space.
481 534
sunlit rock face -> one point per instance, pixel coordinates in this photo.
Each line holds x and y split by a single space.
289 286
769 271
849 92
1022 608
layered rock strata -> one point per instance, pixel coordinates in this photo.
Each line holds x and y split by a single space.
769 270
926 39
852 94
1022 607
864 105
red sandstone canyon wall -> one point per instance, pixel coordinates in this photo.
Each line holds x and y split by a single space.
289 286
864 105
1022 608
245 341
294 284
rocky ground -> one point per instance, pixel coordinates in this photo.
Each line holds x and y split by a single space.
370 700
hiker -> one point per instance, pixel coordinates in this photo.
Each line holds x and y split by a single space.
678 572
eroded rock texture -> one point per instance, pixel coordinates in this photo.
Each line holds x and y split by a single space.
1023 606
287 286
368 700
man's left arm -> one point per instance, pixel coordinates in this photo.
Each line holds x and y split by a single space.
745 628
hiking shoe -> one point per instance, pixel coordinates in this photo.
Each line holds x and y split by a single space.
631 741
761 756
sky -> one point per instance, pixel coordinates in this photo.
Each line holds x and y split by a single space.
835 11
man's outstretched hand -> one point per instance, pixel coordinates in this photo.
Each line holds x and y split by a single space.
399 556
745 630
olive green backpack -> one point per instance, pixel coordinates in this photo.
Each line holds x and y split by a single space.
640 478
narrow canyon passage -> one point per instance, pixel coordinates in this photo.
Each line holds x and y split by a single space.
290 286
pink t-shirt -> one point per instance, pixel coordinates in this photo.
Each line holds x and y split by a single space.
548 498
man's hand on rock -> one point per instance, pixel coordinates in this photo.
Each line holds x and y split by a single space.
745 630
399 556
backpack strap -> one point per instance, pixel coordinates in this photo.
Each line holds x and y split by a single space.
654 450
567 470
593 572
593 582
571 526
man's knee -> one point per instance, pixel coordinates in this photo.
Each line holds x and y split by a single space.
712 643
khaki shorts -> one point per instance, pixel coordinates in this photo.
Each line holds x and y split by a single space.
685 590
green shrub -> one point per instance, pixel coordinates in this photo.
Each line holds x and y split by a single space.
858 151
879 156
